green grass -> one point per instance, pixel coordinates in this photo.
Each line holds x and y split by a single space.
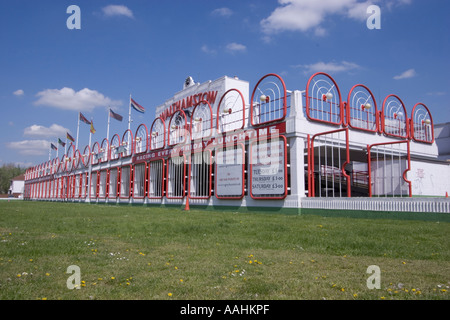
132 252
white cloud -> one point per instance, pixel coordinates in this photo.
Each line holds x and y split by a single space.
19 93
235 47
30 147
222 12
328 67
68 99
38 131
309 15
405 75
117 10
206 49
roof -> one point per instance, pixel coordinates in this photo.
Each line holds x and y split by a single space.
19 178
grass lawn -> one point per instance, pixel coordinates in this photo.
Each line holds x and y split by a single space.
133 252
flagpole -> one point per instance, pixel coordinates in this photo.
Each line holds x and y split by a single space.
129 114
88 195
57 148
109 120
78 131
65 146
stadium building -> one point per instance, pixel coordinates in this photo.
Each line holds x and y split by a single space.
224 143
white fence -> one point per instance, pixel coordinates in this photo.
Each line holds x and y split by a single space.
379 204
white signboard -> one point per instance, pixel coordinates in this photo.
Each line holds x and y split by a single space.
268 169
229 172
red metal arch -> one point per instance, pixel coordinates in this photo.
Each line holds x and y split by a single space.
104 148
141 139
361 109
272 104
422 128
158 134
177 131
229 107
197 122
323 100
114 147
127 142
394 117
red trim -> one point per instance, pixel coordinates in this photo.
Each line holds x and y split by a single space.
163 134
413 131
369 163
116 195
349 192
210 175
219 107
95 151
114 155
119 178
163 177
146 139
76 159
168 178
131 142
239 145
105 149
170 143
86 156
96 185
383 119
349 108
106 183
257 197
193 119
340 106
284 100
145 180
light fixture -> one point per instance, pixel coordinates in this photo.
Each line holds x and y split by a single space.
427 121
367 106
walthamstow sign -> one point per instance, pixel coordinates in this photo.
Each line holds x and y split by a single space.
226 140
188 102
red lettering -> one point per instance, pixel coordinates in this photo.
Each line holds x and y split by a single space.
212 97
189 102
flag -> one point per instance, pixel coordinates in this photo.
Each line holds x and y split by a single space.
92 127
61 142
115 115
53 146
69 137
136 106
83 118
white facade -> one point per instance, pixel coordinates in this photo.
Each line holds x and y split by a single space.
220 143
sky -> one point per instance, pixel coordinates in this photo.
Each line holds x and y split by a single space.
50 71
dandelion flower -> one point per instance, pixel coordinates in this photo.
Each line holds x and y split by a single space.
112 278
169 294
181 280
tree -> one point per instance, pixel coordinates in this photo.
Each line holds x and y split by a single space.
7 172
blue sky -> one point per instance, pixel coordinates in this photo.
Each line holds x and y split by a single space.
147 48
